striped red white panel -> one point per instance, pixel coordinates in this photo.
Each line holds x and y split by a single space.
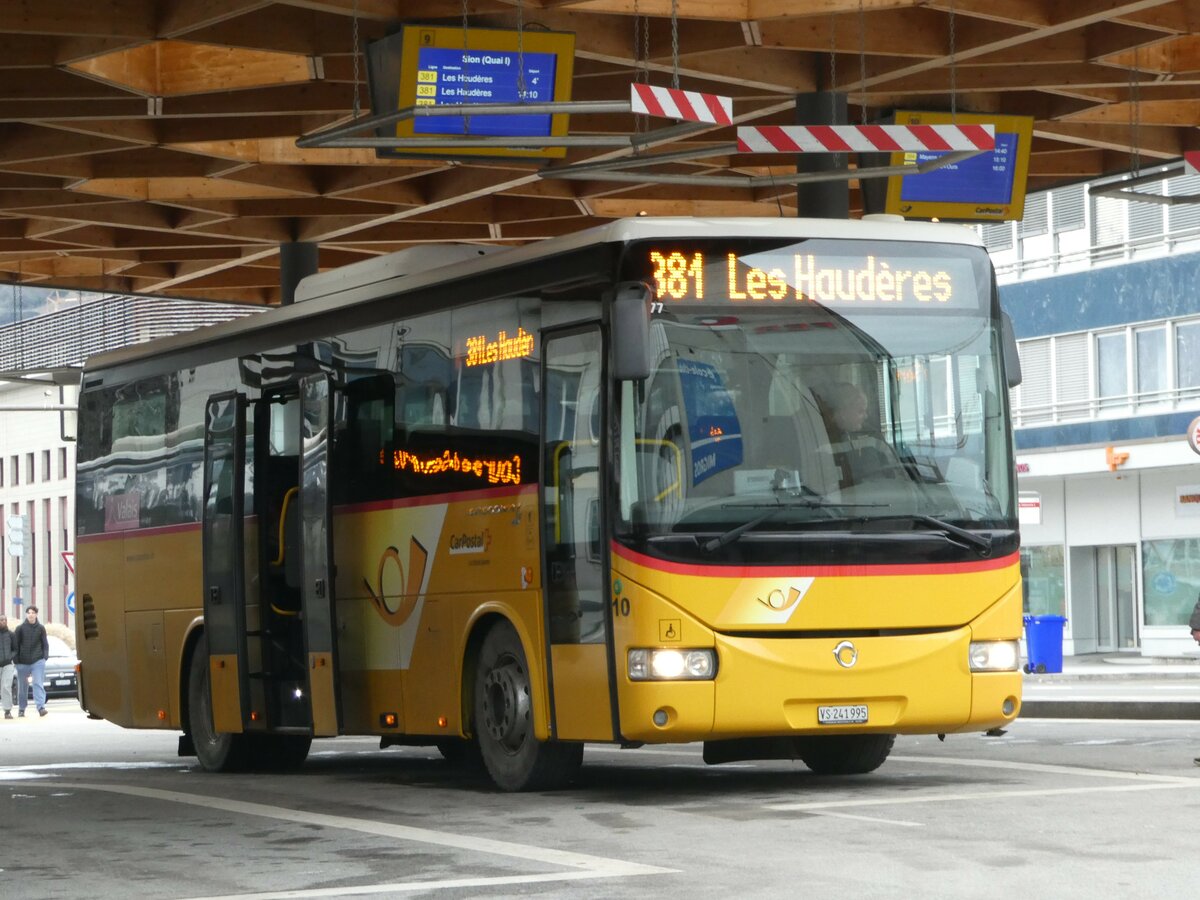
1191 162
672 103
864 138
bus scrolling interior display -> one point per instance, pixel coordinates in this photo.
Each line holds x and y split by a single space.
424 65
804 274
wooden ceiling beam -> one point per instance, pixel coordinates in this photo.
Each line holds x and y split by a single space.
127 18
178 18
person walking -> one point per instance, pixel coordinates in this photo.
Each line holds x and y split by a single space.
8 669
1194 624
33 649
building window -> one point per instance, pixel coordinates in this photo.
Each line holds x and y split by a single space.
30 474
1170 580
1151 347
1112 365
15 469
1042 580
1187 355
45 465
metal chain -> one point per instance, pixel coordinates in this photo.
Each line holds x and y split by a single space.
862 61
1135 113
462 97
675 44
521 93
640 62
354 30
833 104
953 71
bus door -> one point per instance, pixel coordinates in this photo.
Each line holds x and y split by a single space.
223 560
316 594
575 571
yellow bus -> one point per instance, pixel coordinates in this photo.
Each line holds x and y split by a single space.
739 481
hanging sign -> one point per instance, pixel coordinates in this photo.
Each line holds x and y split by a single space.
1193 435
986 187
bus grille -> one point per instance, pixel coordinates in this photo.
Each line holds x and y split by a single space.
90 629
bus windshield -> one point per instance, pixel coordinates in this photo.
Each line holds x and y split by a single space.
831 403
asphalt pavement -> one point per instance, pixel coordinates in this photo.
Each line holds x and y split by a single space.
1115 686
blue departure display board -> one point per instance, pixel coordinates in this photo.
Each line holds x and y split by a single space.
986 178
454 76
989 186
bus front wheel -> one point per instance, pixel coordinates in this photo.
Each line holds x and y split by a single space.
503 706
844 754
217 751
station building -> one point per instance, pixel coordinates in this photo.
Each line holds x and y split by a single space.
1105 299
37 447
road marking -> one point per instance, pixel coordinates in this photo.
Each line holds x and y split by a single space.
840 815
362 890
1049 769
584 865
982 795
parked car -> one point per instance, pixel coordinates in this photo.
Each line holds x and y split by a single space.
60 671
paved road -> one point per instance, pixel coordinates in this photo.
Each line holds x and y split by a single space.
1050 809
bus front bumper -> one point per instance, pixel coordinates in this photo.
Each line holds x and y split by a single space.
765 686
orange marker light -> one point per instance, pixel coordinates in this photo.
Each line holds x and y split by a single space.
162 715
441 722
253 717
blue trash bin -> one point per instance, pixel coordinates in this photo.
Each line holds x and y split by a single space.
1044 643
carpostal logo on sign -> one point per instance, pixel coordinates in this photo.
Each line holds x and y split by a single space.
470 543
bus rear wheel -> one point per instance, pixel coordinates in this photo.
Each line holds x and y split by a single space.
503 706
217 751
844 754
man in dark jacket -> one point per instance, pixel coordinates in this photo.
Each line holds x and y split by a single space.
33 649
8 669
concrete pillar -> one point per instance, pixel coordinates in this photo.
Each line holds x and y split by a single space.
296 260
822 199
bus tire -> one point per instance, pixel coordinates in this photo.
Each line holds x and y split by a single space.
280 752
503 706
217 751
461 754
844 754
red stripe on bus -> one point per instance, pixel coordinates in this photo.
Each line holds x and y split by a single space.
718 571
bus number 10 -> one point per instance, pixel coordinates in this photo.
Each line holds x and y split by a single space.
677 276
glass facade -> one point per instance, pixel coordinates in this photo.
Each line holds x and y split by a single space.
1043 580
1170 580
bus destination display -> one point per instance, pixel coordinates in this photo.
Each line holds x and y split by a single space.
869 281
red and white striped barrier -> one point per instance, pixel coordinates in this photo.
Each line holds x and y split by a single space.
1191 162
864 138
672 103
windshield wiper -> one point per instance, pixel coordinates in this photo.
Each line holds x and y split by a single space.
792 502
980 542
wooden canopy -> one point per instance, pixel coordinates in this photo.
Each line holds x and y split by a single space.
149 146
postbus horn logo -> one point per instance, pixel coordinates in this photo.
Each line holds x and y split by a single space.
394 609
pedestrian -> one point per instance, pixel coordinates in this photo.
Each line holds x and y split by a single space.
33 649
8 655
1194 624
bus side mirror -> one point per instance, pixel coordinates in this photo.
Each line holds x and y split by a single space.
630 332
1012 359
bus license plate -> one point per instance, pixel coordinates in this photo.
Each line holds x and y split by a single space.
842 715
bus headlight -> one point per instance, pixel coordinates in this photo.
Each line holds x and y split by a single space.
995 656
672 665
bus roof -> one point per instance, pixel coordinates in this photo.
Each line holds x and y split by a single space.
411 269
